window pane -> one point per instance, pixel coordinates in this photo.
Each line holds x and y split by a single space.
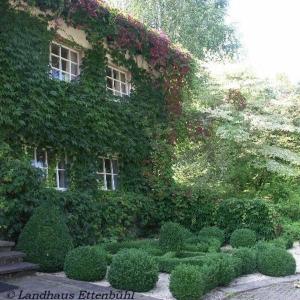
55 49
123 78
41 159
61 164
54 61
65 77
74 57
116 182
115 166
117 93
107 166
115 74
124 91
64 52
65 65
74 69
55 73
108 72
109 83
62 180
109 182
73 77
117 86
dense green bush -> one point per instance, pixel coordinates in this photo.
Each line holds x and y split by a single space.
187 283
86 263
134 270
203 244
256 214
45 238
227 270
248 258
171 237
211 275
283 241
274 261
213 232
292 229
243 238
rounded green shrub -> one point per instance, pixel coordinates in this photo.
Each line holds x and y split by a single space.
243 238
274 261
210 274
171 237
45 238
248 258
214 232
133 270
187 283
86 263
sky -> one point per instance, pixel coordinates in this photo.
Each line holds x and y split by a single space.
270 34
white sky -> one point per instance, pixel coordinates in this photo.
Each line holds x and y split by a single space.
270 34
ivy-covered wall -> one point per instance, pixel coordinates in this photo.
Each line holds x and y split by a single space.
83 120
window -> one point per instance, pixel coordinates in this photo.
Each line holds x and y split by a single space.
117 81
64 62
108 174
50 165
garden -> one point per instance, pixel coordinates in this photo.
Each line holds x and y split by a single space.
197 261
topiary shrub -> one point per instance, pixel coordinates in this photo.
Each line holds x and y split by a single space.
45 238
134 270
214 232
203 244
274 261
171 237
248 258
210 274
86 263
187 283
243 238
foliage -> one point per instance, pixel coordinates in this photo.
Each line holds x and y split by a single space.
226 269
134 270
210 274
199 26
203 243
213 231
255 214
248 258
292 230
171 237
187 283
86 263
243 238
45 238
19 185
275 261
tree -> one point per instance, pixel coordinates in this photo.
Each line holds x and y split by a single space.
199 25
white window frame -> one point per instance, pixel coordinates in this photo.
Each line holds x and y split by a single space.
113 80
46 168
113 173
60 58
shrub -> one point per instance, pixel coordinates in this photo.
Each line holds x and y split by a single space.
256 214
214 232
210 274
187 283
284 242
86 263
171 237
274 261
243 238
292 230
224 264
248 258
134 270
45 238
203 244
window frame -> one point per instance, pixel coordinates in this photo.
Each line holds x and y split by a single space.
112 173
60 58
127 84
45 168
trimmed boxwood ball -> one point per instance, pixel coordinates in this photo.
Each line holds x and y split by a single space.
214 232
274 261
243 238
171 237
187 283
45 238
86 263
248 258
133 270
